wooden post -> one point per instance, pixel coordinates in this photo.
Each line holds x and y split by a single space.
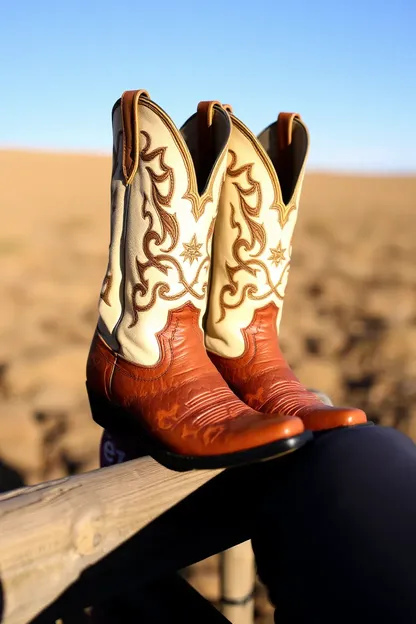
52 532
238 576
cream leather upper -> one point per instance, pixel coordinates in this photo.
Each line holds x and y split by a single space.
253 235
161 235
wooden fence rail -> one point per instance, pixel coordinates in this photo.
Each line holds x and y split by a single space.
51 533
82 540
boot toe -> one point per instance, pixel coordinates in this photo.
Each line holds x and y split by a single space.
328 417
253 431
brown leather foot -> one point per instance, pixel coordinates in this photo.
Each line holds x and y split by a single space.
262 378
182 403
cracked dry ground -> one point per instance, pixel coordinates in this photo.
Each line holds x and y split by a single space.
349 323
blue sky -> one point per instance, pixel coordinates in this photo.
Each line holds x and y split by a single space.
349 68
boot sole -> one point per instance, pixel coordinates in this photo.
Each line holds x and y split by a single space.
116 420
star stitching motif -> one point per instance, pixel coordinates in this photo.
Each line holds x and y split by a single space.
278 254
191 250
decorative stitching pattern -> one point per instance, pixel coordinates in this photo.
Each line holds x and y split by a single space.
164 261
191 250
198 202
277 254
105 294
241 245
283 211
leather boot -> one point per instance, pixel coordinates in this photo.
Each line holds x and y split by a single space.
251 258
148 373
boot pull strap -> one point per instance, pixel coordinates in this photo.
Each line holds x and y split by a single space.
228 108
205 112
130 121
205 117
285 128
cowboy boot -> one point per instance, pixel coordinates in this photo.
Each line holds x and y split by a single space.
251 255
148 374
120 448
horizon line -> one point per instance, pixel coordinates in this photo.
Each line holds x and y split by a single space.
343 171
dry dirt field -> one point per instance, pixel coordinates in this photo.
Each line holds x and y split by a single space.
349 323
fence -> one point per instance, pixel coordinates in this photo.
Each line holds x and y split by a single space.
71 543
53 534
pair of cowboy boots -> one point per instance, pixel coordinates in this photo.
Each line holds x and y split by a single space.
185 363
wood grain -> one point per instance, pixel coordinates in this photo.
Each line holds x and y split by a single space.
50 533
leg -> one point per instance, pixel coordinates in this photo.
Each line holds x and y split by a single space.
169 600
337 540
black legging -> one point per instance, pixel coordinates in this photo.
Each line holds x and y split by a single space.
333 528
336 540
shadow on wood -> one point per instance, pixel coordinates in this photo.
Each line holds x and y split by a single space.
203 524
74 542
52 532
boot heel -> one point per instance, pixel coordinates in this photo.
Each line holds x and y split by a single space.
116 434
103 413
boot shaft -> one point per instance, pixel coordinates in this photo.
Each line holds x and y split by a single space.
162 217
253 235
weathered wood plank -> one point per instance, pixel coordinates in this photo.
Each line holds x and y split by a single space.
51 532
